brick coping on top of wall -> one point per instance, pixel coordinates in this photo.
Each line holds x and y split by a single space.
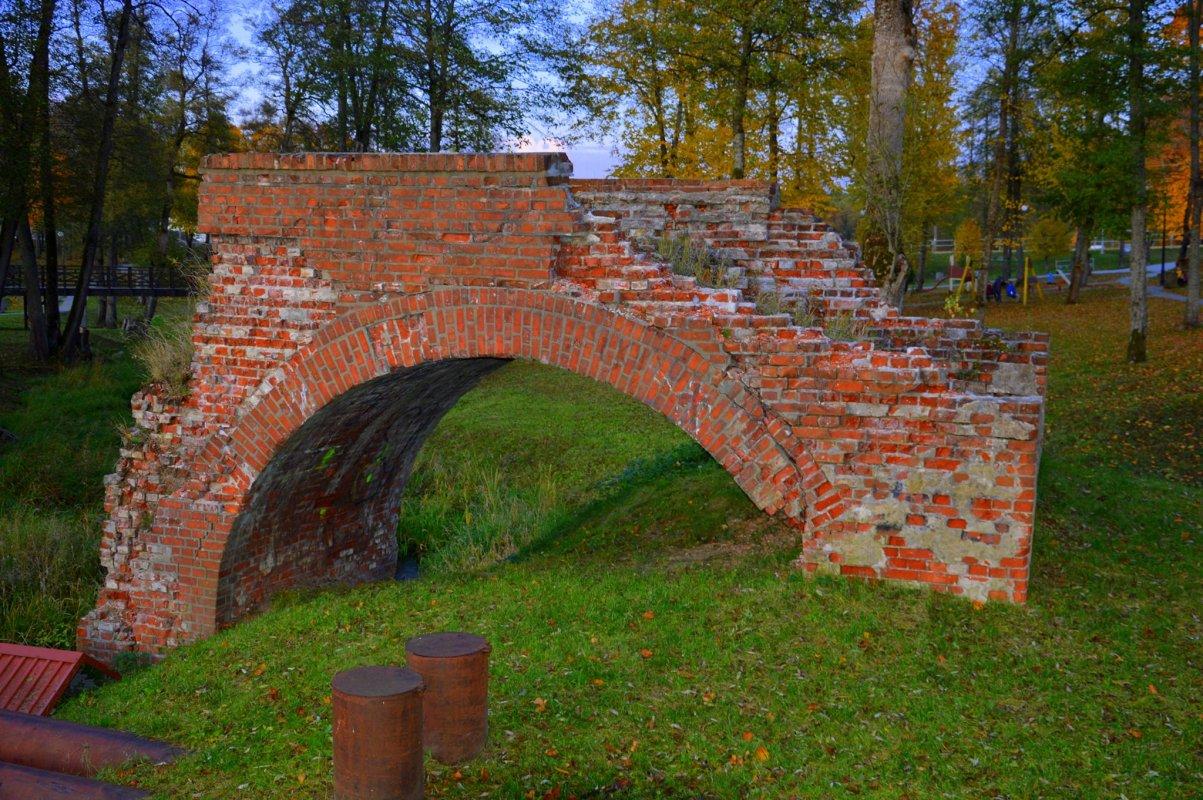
356 297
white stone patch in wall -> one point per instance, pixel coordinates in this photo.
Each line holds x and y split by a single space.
1018 380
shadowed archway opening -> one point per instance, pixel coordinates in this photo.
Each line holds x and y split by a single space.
325 508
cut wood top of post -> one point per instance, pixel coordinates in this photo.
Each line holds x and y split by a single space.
377 682
447 645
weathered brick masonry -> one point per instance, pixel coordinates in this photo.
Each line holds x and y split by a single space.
355 298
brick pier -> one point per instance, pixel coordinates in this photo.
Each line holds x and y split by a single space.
355 298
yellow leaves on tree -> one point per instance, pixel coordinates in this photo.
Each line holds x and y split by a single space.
967 241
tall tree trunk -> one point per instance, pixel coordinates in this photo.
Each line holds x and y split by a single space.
1077 278
163 238
14 177
1184 243
678 131
8 231
739 111
290 111
1014 170
1003 161
8 173
774 128
108 317
1139 306
892 67
71 339
1191 317
39 345
39 87
921 275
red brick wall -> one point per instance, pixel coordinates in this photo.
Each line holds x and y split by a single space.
355 298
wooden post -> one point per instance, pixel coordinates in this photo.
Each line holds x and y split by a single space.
455 669
377 715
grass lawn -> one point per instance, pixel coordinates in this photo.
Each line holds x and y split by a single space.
939 263
652 640
51 480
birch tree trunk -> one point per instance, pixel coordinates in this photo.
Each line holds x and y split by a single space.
893 65
1139 301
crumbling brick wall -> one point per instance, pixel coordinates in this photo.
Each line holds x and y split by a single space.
354 298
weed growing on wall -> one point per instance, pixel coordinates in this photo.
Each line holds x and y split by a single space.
693 258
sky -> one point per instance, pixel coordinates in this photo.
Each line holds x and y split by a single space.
590 158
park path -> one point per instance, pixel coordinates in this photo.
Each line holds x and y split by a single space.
1154 290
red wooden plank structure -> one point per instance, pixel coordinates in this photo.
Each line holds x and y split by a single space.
33 679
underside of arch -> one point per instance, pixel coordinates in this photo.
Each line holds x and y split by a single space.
325 508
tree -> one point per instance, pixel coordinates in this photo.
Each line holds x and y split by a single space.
633 55
33 133
932 144
407 74
893 62
967 241
187 104
1084 168
71 339
716 88
289 45
1047 238
1194 19
1137 133
1010 35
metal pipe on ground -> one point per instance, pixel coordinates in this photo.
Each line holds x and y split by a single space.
455 706
377 714
19 782
73 749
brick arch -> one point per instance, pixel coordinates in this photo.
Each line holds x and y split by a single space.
341 399
345 284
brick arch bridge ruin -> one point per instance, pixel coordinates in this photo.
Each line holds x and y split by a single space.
355 298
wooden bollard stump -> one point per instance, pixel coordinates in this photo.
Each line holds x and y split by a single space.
455 715
378 734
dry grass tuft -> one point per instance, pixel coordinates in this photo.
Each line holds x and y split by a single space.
165 352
